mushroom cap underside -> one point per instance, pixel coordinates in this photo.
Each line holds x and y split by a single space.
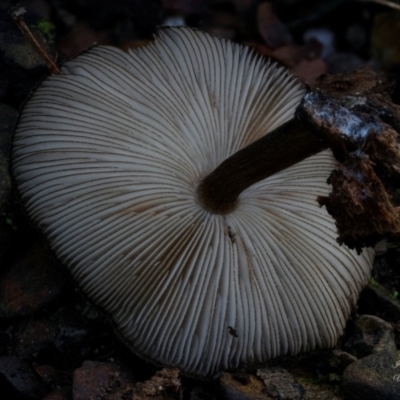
107 157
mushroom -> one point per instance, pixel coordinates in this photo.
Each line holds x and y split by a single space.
110 159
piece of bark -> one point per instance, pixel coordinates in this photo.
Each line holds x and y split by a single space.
354 116
360 204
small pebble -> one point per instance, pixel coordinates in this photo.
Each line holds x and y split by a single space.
373 377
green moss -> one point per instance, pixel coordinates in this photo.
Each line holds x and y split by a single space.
10 222
47 28
373 282
394 295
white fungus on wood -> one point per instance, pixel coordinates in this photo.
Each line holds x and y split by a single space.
107 157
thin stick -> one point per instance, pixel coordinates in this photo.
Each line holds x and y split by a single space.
17 15
386 3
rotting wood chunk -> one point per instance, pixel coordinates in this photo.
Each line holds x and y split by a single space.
360 205
353 114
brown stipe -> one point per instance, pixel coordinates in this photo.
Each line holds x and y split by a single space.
287 145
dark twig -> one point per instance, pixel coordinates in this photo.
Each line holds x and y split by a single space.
391 4
17 15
